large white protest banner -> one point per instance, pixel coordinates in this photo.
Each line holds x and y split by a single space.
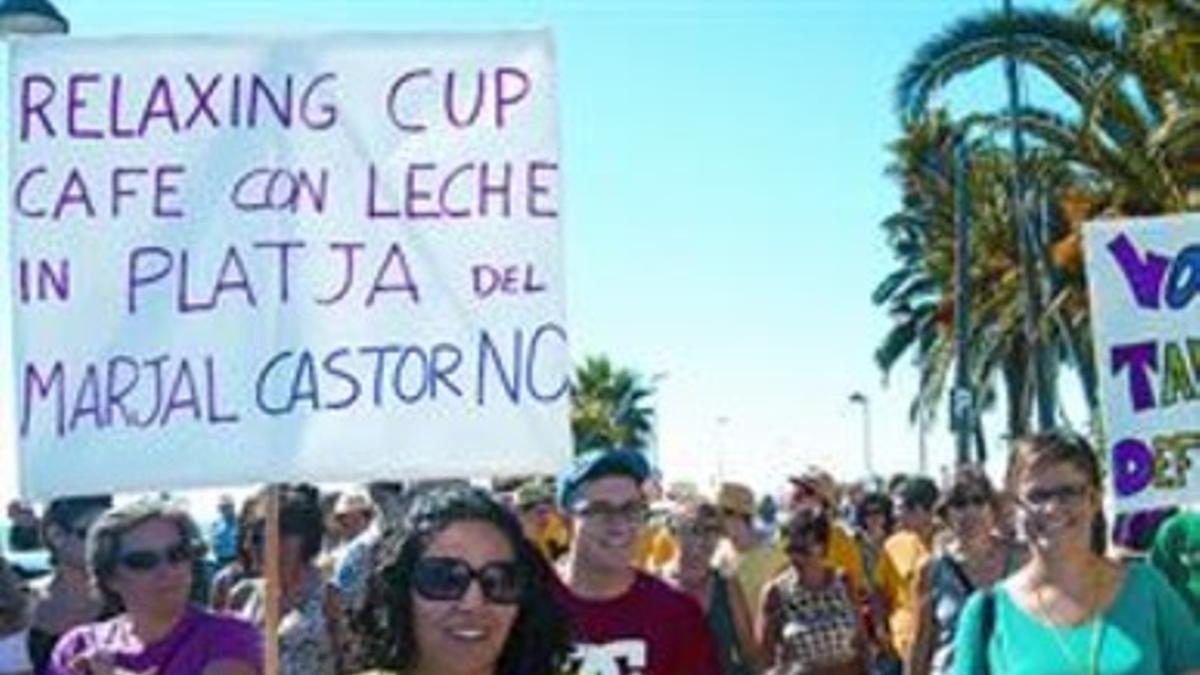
238 260
1144 276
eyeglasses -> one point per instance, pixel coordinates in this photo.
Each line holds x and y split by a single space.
447 579
964 501
148 561
79 533
1067 495
699 531
630 512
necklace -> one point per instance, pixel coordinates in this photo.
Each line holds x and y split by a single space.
1093 659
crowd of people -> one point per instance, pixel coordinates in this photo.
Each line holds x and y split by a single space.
595 572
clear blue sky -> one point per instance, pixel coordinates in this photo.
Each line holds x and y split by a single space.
723 166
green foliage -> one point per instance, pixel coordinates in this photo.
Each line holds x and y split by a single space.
609 407
1127 143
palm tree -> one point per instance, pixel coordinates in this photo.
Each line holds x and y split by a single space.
919 294
1128 142
1135 127
608 407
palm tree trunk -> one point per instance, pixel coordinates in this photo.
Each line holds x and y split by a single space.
1016 388
981 450
1027 239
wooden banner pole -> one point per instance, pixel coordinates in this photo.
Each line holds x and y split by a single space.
272 585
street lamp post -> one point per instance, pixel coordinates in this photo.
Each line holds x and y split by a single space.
31 17
859 398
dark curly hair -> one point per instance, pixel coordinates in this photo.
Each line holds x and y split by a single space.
539 639
807 526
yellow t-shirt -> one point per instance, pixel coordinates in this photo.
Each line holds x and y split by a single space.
553 538
755 568
896 572
655 548
843 554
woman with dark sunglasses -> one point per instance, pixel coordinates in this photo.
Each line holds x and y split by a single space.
1070 609
66 598
309 626
141 557
809 621
973 555
873 525
459 590
247 562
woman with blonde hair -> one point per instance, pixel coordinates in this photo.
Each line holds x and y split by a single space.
142 557
1070 609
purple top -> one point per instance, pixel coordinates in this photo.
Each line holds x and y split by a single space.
199 639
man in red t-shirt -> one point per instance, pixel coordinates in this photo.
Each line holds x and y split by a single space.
624 622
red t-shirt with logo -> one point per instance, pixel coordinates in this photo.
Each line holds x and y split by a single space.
652 629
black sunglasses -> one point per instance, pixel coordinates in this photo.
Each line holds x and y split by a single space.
148 561
805 546
447 579
964 501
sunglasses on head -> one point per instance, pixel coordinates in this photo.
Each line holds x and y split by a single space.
447 579
148 561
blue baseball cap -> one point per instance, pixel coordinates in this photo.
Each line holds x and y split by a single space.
595 464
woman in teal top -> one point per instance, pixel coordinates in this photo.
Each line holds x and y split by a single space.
1069 610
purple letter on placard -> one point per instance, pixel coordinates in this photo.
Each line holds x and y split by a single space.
1145 277
29 108
1139 358
1133 467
